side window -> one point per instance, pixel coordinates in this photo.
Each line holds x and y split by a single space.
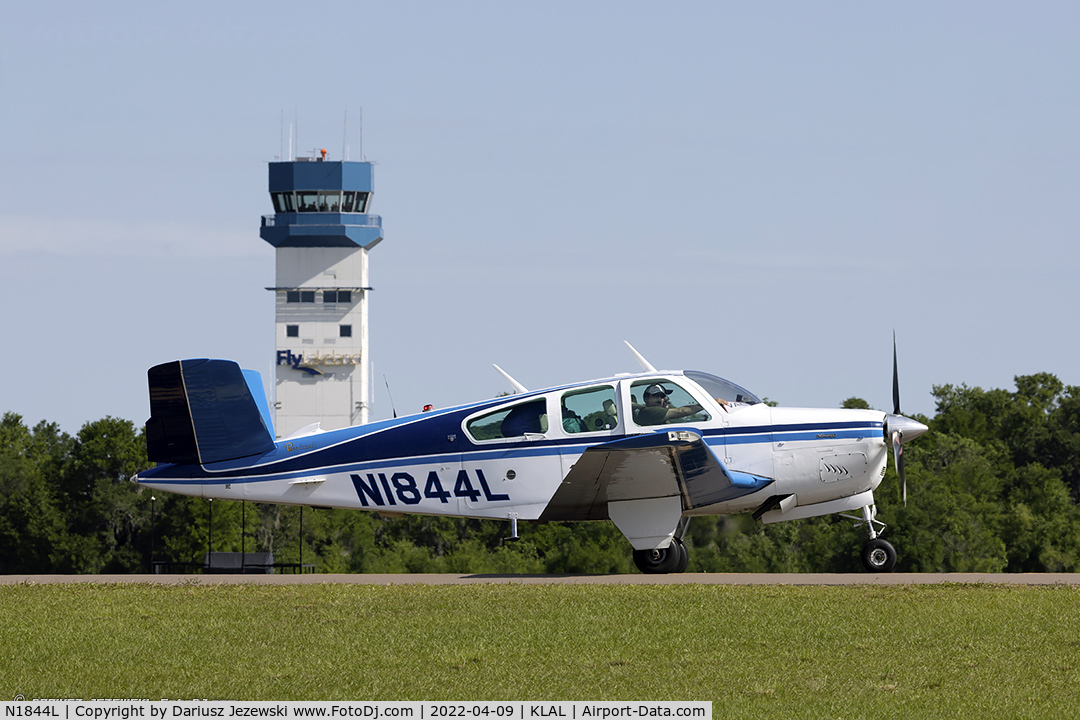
663 402
589 410
510 422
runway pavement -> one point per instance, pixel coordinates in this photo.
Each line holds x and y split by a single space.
628 579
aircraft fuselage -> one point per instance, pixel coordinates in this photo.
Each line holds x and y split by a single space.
445 463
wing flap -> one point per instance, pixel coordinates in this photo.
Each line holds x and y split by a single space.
670 463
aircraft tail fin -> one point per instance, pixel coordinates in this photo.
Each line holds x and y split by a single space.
205 411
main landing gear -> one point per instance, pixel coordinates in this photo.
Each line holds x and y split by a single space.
672 559
878 555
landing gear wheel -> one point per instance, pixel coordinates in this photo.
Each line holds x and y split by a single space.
878 556
661 561
684 556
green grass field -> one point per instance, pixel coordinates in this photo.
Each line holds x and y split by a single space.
767 651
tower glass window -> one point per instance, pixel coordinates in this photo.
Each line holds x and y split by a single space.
344 330
330 201
283 202
292 331
325 201
307 200
354 201
337 296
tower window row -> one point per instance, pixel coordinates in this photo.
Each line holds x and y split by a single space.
293 331
323 201
328 296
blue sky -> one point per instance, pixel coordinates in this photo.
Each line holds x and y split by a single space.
762 192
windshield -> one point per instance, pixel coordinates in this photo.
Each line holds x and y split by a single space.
720 388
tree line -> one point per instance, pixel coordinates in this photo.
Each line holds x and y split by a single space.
993 487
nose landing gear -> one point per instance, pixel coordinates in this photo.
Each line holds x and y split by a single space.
878 555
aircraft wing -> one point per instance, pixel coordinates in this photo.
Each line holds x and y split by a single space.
665 464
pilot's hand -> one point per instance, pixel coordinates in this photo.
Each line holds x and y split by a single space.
723 404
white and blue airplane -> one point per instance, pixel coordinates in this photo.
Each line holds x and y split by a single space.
648 451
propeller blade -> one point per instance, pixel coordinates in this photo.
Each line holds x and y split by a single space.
898 428
895 379
898 459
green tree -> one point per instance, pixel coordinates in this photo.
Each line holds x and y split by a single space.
32 528
108 521
1041 524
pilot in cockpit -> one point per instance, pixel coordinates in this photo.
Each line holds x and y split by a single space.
657 409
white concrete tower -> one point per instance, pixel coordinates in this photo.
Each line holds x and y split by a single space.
322 233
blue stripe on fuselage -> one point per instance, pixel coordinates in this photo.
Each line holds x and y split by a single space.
419 440
802 431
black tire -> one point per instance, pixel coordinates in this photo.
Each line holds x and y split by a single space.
684 556
661 561
878 556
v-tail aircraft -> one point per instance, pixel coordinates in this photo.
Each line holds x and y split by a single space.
648 451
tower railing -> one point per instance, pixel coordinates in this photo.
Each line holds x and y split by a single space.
323 219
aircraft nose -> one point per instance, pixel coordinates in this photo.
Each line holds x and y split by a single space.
909 429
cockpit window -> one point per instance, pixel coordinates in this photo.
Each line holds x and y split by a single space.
510 422
663 402
721 389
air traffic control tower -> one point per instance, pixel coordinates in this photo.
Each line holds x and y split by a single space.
322 232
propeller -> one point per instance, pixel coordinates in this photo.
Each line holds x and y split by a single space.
900 429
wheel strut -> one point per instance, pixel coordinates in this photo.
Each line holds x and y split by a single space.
869 519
